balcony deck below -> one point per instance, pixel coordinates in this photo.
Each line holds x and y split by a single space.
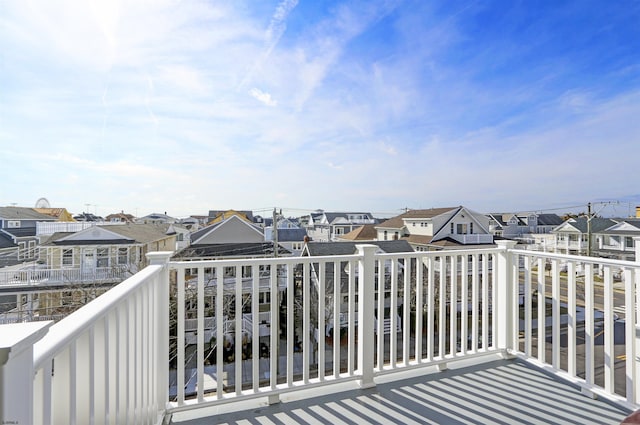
492 392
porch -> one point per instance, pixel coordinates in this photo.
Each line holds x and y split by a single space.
126 358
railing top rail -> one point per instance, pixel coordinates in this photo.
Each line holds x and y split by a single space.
444 252
577 258
262 261
69 328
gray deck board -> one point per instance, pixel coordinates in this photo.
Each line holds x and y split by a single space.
495 392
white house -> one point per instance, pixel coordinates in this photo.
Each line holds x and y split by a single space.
437 228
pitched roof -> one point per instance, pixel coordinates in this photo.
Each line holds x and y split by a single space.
252 249
131 233
597 224
291 235
549 220
366 232
23 213
347 248
398 221
6 241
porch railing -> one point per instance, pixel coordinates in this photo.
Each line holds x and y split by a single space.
125 356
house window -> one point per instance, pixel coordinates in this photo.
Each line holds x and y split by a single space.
122 256
629 242
462 228
103 257
471 228
452 228
12 224
67 257
385 235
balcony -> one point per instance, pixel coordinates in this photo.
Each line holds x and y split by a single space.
465 346
473 238
45 277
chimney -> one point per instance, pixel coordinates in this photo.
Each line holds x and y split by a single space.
638 211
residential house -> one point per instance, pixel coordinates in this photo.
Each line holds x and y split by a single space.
87 216
98 248
572 236
232 237
289 235
216 216
437 228
530 228
78 266
60 214
120 217
329 226
18 225
618 241
366 232
156 218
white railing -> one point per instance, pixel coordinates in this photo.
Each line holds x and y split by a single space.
475 238
590 310
49 277
108 362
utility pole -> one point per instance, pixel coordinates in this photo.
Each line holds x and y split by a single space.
275 232
589 229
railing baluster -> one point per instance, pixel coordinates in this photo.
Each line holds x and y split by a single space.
320 327
337 298
609 354
527 305
419 310
555 314
589 361
630 335
352 317
255 328
542 307
220 338
73 384
306 314
92 375
200 335
453 306
431 310
380 314
393 313
180 342
239 334
474 302
290 324
406 311
571 317
485 301
464 303
275 333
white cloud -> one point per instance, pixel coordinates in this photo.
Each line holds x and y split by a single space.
262 97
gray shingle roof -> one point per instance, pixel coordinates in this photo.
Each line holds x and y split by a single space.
291 235
348 248
230 250
23 213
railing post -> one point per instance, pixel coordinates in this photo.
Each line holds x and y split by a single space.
635 284
162 322
17 371
503 307
366 313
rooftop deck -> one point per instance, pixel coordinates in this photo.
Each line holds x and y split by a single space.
487 392
419 337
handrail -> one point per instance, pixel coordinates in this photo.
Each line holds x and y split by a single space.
69 328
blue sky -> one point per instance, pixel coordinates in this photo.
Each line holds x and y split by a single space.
186 106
